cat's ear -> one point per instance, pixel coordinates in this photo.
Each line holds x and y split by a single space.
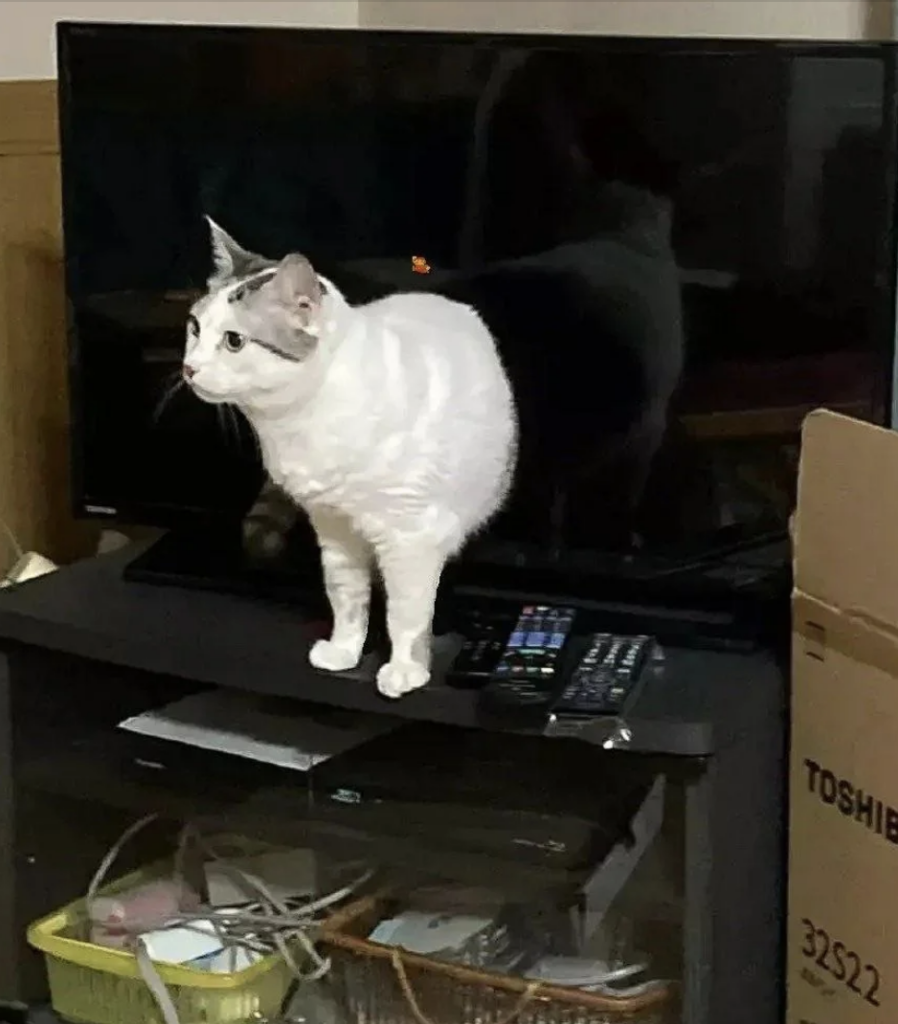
229 260
298 290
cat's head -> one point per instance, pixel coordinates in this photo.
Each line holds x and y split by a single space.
257 326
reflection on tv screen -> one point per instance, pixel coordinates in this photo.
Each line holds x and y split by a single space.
679 250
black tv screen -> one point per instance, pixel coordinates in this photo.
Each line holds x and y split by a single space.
680 247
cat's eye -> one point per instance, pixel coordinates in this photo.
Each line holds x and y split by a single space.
193 326
233 341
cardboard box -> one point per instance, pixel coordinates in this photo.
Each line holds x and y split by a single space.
842 947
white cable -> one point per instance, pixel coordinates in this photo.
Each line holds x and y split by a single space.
8 579
271 923
13 541
155 984
285 920
112 855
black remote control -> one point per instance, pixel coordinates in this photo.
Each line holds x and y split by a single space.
605 676
526 675
486 632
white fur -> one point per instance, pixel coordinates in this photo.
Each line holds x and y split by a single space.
396 434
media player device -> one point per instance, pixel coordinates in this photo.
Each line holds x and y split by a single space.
489 793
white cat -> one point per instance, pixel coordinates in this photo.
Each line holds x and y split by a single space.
392 424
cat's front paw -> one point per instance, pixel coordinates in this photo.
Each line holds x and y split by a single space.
400 677
331 657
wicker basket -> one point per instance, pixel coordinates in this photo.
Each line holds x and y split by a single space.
379 984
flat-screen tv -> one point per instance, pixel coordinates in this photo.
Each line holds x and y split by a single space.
681 248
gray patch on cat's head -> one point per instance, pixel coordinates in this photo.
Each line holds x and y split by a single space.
230 261
251 284
279 308
274 304
248 285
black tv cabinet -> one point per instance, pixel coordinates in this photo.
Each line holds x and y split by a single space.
82 648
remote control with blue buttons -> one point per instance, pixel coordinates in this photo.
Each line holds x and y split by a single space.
526 674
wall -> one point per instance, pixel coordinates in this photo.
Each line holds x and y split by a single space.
822 19
26 28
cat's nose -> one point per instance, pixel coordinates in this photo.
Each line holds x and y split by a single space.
188 371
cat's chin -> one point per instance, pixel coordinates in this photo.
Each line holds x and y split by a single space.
207 396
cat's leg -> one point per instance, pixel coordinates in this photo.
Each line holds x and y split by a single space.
346 562
411 574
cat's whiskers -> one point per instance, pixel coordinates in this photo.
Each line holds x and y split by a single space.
229 420
231 424
233 419
222 423
172 386
257 444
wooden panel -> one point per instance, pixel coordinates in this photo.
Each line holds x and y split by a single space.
34 473
28 118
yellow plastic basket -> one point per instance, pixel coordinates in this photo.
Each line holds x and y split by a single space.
93 985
